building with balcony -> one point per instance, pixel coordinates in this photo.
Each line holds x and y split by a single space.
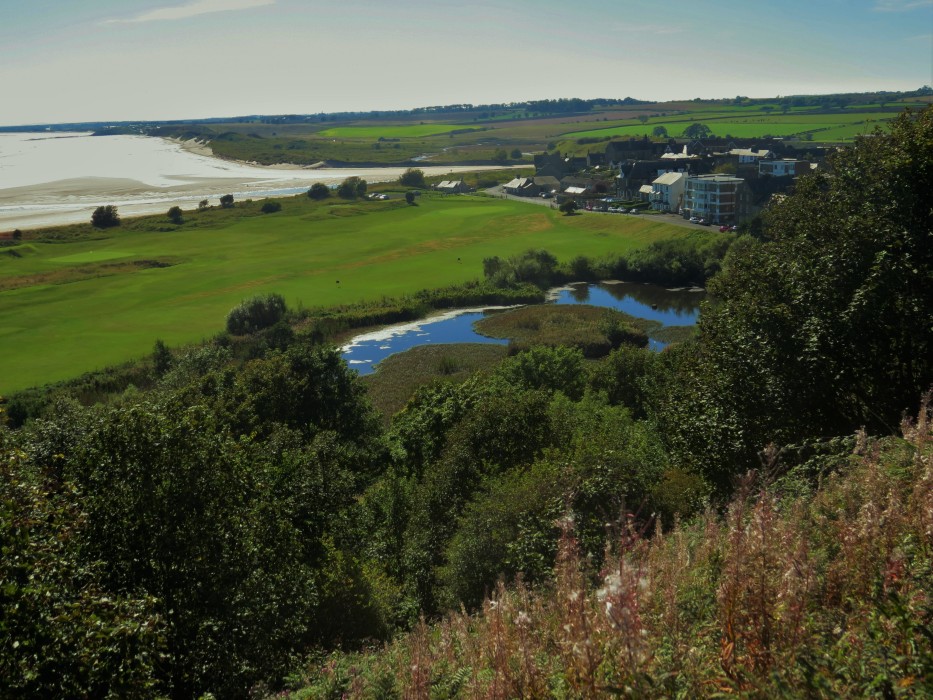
719 199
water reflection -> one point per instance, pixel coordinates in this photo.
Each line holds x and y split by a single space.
669 308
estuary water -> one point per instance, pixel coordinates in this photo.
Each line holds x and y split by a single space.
58 177
669 307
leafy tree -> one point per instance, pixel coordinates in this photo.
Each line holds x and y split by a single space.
410 197
226 201
255 314
568 207
319 191
270 207
824 327
660 132
697 131
501 156
643 118
351 188
17 234
175 215
203 204
63 631
105 217
516 154
413 177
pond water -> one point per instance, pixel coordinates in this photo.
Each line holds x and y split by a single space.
668 307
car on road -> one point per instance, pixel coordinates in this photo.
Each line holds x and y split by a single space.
632 211
695 220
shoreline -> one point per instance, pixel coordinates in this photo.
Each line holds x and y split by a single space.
72 200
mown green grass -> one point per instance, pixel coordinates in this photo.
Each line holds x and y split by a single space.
306 252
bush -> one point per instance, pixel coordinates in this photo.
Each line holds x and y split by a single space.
226 201
105 217
413 177
255 314
175 216
351 188
271 207
319 191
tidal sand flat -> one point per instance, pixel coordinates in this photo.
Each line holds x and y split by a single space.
59 178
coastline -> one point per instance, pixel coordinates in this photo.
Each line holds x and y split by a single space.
198 175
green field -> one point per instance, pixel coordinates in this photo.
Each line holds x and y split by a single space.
393 131
821 127
65 309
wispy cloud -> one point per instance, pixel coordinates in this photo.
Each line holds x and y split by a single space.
192 9
901 5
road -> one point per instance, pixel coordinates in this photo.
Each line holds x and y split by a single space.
673 219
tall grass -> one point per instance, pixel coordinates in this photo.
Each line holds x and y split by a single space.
824 594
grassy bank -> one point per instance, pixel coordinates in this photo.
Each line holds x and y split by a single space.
77 299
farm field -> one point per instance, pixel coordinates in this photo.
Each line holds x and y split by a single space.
820 127
83 303
476 137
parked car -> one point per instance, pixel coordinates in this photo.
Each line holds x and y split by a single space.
723 229
695 219
632 211
704 222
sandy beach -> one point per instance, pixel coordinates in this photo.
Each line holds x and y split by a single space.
149 175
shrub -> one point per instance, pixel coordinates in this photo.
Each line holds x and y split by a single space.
271 207
413 177
226 201
319 191
255 314
105 217
175 216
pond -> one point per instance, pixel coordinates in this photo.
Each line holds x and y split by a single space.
668 307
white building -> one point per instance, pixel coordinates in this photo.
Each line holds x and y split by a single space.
751 155
667 192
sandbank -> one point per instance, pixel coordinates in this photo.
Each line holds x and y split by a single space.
73 199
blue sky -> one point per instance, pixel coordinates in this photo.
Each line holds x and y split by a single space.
164 59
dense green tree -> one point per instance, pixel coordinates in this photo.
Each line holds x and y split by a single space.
410 197
63 631
17 234
413 177
697 131
568 207
270 207
516 154
319 191
203 204
659 132
256 313
824 327
105 216
226 201
351 188
175 215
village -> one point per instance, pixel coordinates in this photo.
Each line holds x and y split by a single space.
721 182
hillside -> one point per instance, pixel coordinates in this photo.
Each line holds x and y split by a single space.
745 513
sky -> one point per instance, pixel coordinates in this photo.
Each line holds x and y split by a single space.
112 60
